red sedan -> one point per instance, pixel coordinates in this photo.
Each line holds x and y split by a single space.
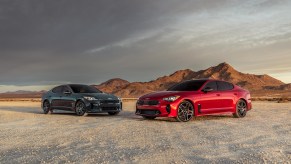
195 98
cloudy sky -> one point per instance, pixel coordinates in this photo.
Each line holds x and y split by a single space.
50 42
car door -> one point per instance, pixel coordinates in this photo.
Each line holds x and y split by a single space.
67 98
227 95
56 97
209 101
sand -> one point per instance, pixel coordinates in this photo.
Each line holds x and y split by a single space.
28 136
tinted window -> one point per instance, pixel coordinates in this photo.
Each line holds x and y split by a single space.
57 89
84 89
192 85
65 88
211 84
223 86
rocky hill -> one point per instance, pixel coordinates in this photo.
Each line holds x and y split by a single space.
112 85
223 71
259 85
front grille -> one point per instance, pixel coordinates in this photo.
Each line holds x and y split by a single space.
109 101
148 112
109 108
148 102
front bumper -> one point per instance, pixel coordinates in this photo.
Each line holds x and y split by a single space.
98 107
249 105
163 109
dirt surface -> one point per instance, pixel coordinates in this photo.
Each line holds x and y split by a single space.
28 136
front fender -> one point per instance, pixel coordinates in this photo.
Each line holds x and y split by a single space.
174 106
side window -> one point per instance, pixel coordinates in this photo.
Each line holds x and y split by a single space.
65 88
211 84
57 89
223 86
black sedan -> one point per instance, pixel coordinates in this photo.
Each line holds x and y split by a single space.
80 99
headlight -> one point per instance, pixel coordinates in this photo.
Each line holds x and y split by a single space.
171 98
90 98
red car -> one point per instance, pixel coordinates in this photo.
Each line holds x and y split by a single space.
195 98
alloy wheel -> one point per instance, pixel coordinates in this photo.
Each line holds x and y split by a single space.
242 108
185 111
80 108
46 107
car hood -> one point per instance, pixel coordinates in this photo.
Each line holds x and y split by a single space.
161 94
100 96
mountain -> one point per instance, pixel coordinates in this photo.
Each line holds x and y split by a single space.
226 72
112 85
259 85
223 71
284 87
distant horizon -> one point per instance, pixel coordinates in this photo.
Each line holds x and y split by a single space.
36 88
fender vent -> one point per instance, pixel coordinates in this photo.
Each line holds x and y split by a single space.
199 108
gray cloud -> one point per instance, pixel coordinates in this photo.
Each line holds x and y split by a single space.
55 41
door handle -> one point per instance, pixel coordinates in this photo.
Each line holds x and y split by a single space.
217 94
235 94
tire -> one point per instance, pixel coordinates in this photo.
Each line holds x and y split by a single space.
185 111
113 113
80 108
149 117
46 107
241 109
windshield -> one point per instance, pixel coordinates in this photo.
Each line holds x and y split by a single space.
84 89
193 85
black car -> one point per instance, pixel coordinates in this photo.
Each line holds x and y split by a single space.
81 99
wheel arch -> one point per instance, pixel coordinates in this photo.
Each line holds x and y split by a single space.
77 100
235 103
242 99
193 104
75 109
186 119
44 100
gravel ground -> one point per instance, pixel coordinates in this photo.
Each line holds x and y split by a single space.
27 136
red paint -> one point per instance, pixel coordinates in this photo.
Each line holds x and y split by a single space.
212 102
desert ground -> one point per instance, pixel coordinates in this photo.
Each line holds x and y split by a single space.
28 136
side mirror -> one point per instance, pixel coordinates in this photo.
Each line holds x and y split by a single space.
207 89
67 92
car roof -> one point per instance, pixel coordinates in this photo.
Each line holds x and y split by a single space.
207 79
77 84
202 79
70 85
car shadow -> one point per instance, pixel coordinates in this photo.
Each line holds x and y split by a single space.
166 119
126 114
34 110
212 117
